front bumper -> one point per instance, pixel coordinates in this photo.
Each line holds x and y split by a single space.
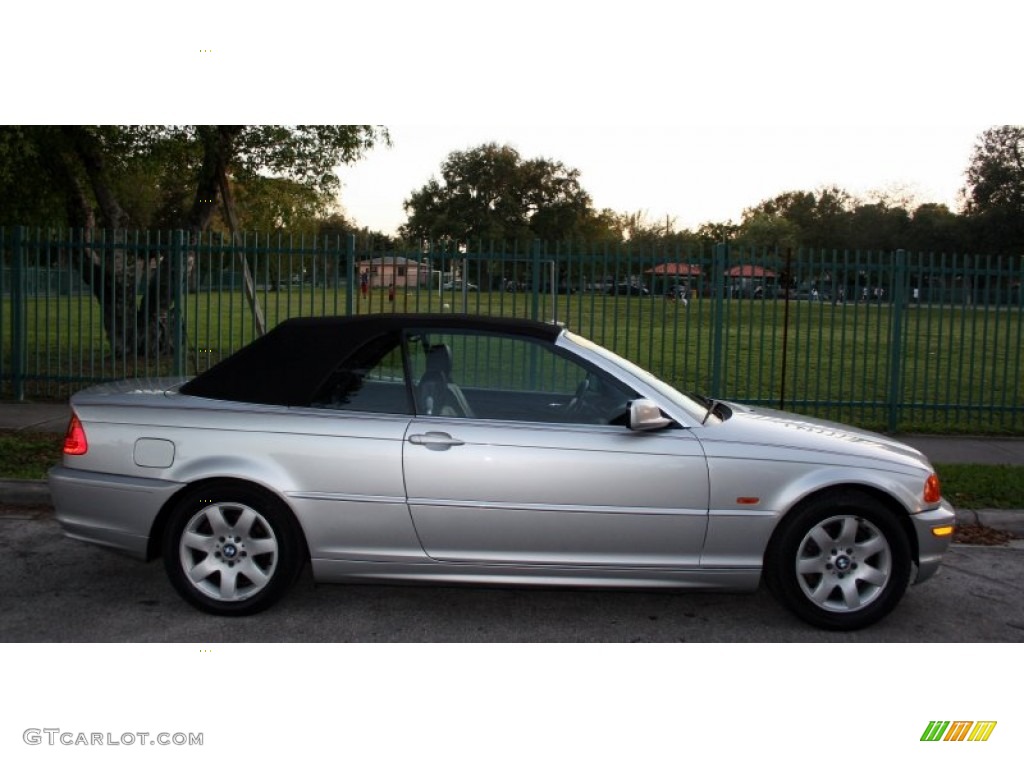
931 548
112 510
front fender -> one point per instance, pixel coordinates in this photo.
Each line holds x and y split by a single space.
749 499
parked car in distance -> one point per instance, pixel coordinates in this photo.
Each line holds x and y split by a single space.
459 285
804 294
400 448
628 289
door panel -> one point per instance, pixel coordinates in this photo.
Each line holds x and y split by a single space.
507 492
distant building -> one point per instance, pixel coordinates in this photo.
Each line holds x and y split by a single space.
751 281
397 271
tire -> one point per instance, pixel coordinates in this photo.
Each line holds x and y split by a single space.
231 549
841 562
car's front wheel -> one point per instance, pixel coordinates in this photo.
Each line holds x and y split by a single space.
231 548
841 562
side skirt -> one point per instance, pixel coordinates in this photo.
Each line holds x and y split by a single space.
350 571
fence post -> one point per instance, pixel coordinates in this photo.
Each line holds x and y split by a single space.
19 324
177 316
5 274
717 317
896 342
785 331
335 267
350 275
535 274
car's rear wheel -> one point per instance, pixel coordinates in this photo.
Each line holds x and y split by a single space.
840 562
231 548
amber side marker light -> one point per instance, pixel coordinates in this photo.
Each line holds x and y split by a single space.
943 531
932 490
75 443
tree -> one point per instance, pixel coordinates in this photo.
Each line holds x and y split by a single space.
601 227
821 219
492 193
995 189
267 204
877 227
711 233
796 207
189 174
832 226
772 232
937 229
33 191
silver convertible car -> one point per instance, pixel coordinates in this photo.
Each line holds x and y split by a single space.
471 450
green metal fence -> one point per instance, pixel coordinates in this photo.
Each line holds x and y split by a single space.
887 340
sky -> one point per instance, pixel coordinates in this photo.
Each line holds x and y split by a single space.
671 109
691 174
675 110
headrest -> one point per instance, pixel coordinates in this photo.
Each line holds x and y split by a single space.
439 359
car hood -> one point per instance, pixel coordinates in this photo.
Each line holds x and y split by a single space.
758 428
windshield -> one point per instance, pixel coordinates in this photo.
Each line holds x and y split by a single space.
696 406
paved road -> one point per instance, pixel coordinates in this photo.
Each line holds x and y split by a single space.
56 589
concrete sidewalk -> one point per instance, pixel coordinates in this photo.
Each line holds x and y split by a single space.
941 449
35 417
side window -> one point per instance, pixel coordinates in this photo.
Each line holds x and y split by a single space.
490 376
372 379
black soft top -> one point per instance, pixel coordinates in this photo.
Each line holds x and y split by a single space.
288 364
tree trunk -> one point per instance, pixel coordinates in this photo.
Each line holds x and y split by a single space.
249 285
107 273
133 327
157 313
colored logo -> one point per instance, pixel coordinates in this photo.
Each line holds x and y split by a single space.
958 730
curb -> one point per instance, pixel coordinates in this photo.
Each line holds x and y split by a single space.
1009 520
33 492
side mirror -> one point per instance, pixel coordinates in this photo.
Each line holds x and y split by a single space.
645 416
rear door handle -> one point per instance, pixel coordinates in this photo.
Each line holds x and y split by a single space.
435 441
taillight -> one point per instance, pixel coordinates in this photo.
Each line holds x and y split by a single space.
75 443
932 490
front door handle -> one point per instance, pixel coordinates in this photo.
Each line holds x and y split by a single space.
435 441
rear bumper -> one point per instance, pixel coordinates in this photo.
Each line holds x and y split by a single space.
931 548
111 510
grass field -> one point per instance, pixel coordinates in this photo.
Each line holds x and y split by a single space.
952 369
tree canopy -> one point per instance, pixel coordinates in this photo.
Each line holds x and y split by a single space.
273 177
491 193
834 218
174 175
995 189
180 176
